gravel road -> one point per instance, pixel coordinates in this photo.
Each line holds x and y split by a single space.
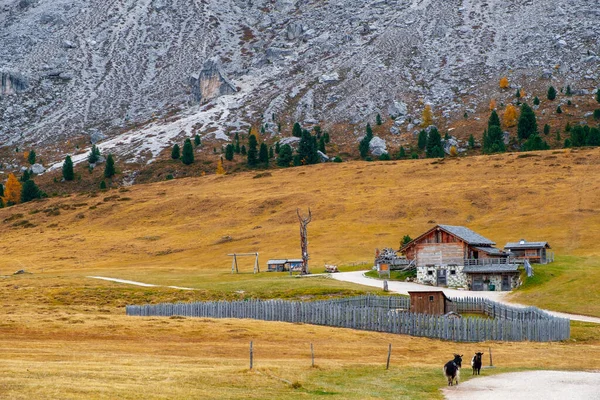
547 385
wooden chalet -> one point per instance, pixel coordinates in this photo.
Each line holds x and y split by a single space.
456 256
534 252
429 302
284 264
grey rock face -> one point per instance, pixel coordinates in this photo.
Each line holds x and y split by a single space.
377 146
69 65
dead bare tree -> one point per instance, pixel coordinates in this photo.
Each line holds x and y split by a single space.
304 240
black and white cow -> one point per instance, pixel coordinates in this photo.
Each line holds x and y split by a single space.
452 369
476 363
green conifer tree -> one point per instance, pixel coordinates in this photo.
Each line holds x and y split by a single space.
67 169
187 155
271 152
297 130
252 151
494 120
102 185
568 91
551 93
285 156
277 147
536 101
25 177
422 139
378 119
175 153
363 146
558 110
322 145
434 146
31 157
471 141
593 137
263 154
527 124
30 191
546 129
229 152
94 155
243 150
109 168
197 141
401 153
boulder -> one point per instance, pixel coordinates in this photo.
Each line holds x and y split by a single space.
326 78
37 169
449 143
398 109
294 31
96 136
394 130
322 156
377 146
19 272
292 140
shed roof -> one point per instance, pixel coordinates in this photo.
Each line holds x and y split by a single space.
277 261
489 269
490 250
523 244
295 260
428 292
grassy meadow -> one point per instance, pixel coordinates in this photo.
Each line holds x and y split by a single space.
63 335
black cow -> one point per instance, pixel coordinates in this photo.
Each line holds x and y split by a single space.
452 369
476 363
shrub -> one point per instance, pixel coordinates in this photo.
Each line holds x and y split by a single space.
471 141
102 185
414 156
285 157
558 110
551 93
546 129
384 157
536 101
337 159
567 143
535 142
597 114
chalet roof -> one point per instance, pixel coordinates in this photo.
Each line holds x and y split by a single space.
489 269
461 232
283 261
494 251
523 244
295 260
467 235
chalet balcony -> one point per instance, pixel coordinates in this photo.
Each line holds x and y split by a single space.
489 261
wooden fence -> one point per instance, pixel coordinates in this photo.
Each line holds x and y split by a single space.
381 314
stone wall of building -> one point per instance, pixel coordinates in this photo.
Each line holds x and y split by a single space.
455 277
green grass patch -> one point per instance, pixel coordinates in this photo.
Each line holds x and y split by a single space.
394 275
570 284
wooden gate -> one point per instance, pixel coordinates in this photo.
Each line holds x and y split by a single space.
477 283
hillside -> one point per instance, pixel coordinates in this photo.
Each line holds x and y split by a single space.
181 231
139 75
65 335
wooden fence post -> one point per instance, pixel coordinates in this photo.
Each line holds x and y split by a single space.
251 355
312 355
387 365
490 351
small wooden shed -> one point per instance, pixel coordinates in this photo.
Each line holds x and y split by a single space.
432 302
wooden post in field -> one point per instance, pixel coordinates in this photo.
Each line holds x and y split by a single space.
387 365
490 351
251 355
312 354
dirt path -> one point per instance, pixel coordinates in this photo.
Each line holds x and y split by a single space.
548 385
125 281
358 277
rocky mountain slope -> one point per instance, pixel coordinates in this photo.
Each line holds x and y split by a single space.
135 74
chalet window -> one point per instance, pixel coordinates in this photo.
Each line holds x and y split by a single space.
429 272
430 298
452 272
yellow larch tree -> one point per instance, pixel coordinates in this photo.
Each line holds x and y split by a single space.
492 105
427 116
503 82
522 93
220 169
12 191
510 116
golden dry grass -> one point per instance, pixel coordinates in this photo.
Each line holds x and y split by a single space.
64 336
